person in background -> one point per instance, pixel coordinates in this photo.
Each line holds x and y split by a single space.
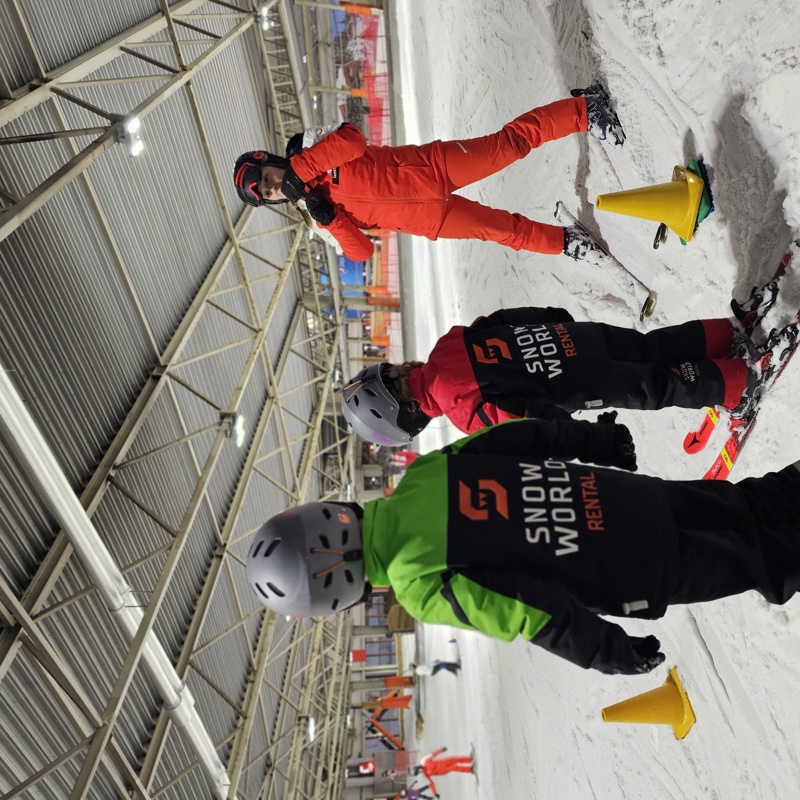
430 765
505 533
435 667
348 186
412 792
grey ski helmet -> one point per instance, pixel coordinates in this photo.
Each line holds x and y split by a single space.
308 561
370 405
247 175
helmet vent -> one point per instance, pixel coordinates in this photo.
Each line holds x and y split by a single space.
326 513
276 589
348 576
325 542
370 392
375 413
262 592
258 547
328 579
334 604
271 549
345 536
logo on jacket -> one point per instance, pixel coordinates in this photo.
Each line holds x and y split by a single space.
487 489
494 350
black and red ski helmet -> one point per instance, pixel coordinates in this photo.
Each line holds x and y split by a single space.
247 175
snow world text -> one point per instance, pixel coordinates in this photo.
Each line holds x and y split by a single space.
539 349
549 505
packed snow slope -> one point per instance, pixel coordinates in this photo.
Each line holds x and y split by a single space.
712 79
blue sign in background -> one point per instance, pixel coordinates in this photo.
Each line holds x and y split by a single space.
350 273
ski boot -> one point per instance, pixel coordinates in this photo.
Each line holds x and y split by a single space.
742 346
603 121
756 307
758 373
779 345
580 245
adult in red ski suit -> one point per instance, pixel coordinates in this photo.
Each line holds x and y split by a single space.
539 362
430 765
350 186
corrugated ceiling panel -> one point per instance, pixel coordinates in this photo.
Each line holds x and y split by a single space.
26 527
67 330
163 213
28 747
66 30
15 61
191 785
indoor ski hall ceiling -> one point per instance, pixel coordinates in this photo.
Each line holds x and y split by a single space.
165 356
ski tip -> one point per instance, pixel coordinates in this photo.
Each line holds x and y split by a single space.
692 444
697 439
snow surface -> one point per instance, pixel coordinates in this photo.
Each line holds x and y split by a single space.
711 79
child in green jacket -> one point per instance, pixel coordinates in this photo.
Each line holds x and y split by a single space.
504 533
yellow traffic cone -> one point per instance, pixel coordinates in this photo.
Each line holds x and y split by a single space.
667 705
675 204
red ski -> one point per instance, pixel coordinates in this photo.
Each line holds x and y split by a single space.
697 439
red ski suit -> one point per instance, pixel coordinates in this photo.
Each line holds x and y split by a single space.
538 362
410 188
442 766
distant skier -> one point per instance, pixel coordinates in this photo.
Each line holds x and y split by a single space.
412 792
348 186
435 667
430 765
539 362
500 532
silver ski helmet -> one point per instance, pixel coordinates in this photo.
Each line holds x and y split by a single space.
247 175
308 561
370 405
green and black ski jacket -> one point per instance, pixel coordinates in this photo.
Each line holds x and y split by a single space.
500 533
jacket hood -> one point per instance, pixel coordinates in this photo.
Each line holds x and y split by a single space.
421 382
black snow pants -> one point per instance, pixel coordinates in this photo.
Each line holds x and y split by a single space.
736 537
664 367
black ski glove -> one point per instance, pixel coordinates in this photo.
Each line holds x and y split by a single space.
624 448
320 208
611 444
634 655
647 654
291 186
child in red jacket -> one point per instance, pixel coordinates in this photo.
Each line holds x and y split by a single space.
348 186
539 362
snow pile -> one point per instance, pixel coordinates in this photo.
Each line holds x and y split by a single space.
717 80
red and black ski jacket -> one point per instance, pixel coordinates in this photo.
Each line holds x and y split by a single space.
518 362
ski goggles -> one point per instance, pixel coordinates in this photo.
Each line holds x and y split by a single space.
247 179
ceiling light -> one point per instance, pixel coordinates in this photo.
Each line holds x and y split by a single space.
238 430
131 134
